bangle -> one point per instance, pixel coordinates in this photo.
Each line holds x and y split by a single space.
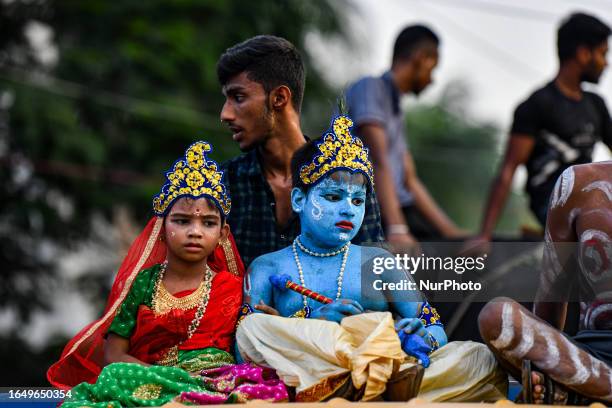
398 229
434 343
245 310
303 313
429 315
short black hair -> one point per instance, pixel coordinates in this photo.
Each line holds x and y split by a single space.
305 155
580 30
269 60
410 39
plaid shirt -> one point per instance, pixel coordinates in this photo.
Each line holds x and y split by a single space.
253 216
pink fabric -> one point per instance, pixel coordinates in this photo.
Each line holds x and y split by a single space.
243 381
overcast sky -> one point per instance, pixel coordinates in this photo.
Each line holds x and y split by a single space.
503 49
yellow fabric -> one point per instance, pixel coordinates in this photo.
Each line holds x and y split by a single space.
462 371
306 352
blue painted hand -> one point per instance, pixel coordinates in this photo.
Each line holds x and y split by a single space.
337 310
411 325
414 338
415 346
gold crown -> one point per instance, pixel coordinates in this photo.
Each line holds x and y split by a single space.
339 150
193 176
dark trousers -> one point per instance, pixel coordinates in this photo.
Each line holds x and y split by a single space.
419 226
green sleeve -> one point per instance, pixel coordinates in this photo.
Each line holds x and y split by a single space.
141 293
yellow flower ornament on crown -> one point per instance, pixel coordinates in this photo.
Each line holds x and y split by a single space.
193 176
339 150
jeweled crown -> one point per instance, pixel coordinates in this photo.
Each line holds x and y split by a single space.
339 150
193 176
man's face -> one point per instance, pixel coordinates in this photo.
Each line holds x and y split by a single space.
332 212
246 111
596 63
425 65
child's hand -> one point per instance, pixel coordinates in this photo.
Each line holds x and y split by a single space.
415 346
337 310
411 325
266 309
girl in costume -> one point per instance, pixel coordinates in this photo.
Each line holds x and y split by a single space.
168 325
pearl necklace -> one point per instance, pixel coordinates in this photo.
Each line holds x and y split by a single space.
344 249
318 254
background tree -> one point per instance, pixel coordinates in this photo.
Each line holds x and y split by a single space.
96 99
457 158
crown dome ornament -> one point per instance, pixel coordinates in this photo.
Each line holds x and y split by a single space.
193 176
339 150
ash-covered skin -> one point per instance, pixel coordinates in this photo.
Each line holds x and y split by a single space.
578 214
340 198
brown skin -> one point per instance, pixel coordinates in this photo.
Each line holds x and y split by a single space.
412 75
192 231
269 123
587 65
583 210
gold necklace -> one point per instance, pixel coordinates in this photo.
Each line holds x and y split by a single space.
171 357
164 301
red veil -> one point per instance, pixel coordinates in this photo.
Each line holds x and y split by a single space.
82 358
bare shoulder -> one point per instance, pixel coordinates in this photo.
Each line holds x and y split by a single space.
589 202
593 185
370 252
270 262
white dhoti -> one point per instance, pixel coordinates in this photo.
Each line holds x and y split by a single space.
317 357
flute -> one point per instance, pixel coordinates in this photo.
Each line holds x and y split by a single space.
284 282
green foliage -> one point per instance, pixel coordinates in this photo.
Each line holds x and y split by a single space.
457 158
135 83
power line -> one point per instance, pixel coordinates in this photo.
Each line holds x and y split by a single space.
502 9
600 3
91 173
135 106
504 59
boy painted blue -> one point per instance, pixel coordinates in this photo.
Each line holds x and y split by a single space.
332 176
363 335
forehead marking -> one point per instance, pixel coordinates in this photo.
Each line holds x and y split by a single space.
317 211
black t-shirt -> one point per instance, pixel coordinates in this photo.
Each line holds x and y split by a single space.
565 131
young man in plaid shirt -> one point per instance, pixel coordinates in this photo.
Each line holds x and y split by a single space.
263 83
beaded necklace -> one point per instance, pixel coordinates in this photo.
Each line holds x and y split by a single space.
345 249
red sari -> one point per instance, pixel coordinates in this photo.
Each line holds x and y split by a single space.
154 335
83 356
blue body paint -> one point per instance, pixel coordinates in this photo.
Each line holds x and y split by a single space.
327 212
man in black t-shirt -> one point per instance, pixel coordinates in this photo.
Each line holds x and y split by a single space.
563 131
557 126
